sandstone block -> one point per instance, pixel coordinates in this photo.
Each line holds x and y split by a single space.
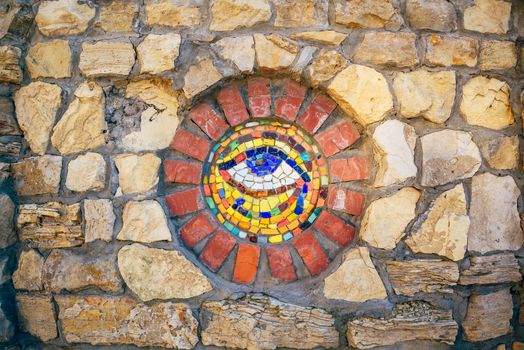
326 37
436 15
488 16
10 71
324 67
50 59
158 53
37 175
63 17
106 59
492 269
173 13
387 49
368 14
309 13
144 222
7 220
445 51
501 153
274 52
137 173
99 219
199 77
28 275
37 316
86 172
228 15
117 16
496 54
238 50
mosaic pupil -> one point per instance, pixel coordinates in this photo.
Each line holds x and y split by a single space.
266 181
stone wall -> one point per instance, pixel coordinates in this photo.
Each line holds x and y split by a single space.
108 112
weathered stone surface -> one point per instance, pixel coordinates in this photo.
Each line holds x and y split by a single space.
228 15
501 153
394 151
326 37
106 59
305 56
173 13
144 222
427 94
324 67
8 125
436 15
7 221
10 148
160 274
448 155
495 221
387 49
63 17
488 16
445 229
122 320
415 320
368 14
386 218
199 77
5 276
488 316
73 270
37 316
445 51
157 53
260 322
309 13
10 71
274 52
83 124
86 172
117 16
137 173
486 102
28 275
158 123
356 279
99 219
492 269
51 59
363 93
7 328
7 15
50 225
36 107
239 50
37 175
496 54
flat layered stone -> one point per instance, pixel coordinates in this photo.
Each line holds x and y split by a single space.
63 17
445 229
427 94
491 269
37 316
448 155
106 59
495 221
436 15
10 70
37 175
50 225
326 37
160 274
368 14
51 59
362 93
356 279
266 323
123 320
86 172
413 321
158 53
238 50
228 15
137 173
117 16
8 125
28 275
82 126
501 153
274 52
324 67
144 222
309 13
199 77
497 54
173 13
99 218
488 16
386 219
7 221
387 49
445 51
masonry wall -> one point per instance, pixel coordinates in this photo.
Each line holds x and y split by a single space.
110 112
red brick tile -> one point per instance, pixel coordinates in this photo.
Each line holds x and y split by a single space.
311 252
232 104
182 172
209 121
190 144
184 202
316 113
259 93
246 264
288 105
280 263
345 200
348 169
335 228
337 137
196 229
217 250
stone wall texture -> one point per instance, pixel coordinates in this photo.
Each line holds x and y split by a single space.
109 110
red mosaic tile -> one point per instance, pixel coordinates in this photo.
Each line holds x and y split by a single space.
196 229
335 228
185 202
311 253
259 92
288 105
217 250
246 264
182 172
232 104
348 169
337 137
280 263
190 144
345 200
316 113
209 121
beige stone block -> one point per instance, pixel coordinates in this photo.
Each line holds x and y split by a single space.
199 77
63 17
445 51
368 14
106 59
501 153
37 175
10 71
228 15
326 37
144 222
158 53
28 275
99 218
51 59
324 67
387 49
37 316
173 13
137 173
238 50
488 16
310 13
274 52
496 54
436 15
86 172
118 16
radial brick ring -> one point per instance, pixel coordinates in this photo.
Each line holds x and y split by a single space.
266 201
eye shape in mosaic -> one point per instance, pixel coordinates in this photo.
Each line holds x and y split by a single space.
269 202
